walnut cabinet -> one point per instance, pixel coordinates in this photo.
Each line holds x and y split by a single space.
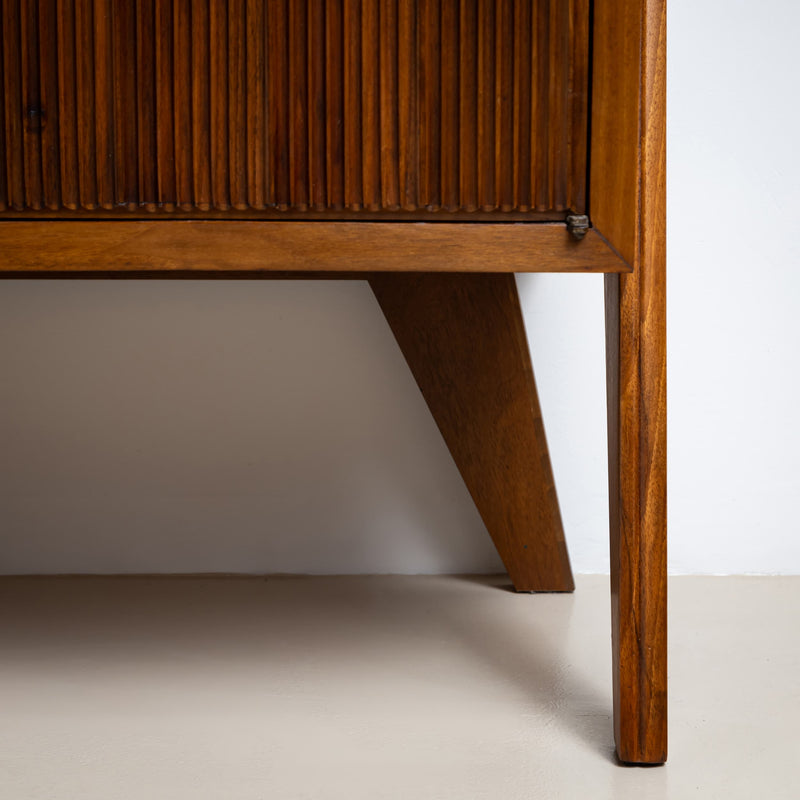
433 147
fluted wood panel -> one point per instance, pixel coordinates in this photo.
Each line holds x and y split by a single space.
287 107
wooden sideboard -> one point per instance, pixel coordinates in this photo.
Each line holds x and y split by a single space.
433 147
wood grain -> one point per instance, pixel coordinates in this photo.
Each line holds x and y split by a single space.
219 103
429 103
201 106
486 67
104 104
237 103
13 103
65 109
408 161
317 114
182 97
577 136
31 95
522 107
338 246
4 151
85 105
48 49
297 111
628 204
376 106
256 104
389 113
370 106
353 131
146 103
165 118
334 107
503 106
468 107
464 340
450 124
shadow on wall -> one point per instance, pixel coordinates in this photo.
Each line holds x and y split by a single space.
261 426
220 426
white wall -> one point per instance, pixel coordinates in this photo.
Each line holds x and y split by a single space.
274 427
734 286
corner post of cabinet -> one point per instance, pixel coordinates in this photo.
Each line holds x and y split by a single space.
628 208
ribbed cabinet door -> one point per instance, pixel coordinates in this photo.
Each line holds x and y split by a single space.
294 108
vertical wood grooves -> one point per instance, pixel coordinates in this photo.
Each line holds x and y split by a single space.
85 85
429 89
521 123
334 100
298 104
294 105
182 103
468 100
486 105
68 139
218 104
126 139
165 122
578 92
201 111
317 110
558 165
4 151
278 100
389 114
256 104
504 119
540 103
450 141
104 99
14 111
370 99
146 99
408 134
29 39
351 34
237 104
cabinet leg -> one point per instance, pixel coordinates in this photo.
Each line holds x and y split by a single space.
636 368
464 339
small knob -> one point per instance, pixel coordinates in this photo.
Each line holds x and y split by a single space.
577 225
34 119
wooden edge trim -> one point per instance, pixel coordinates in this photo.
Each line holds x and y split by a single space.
604 239
197 247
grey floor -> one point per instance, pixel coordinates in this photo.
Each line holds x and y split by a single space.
382 687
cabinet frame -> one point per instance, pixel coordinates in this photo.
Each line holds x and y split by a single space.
626 241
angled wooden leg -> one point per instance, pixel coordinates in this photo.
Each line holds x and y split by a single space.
464 339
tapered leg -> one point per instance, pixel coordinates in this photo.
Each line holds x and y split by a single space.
636 361
464 339
628 209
